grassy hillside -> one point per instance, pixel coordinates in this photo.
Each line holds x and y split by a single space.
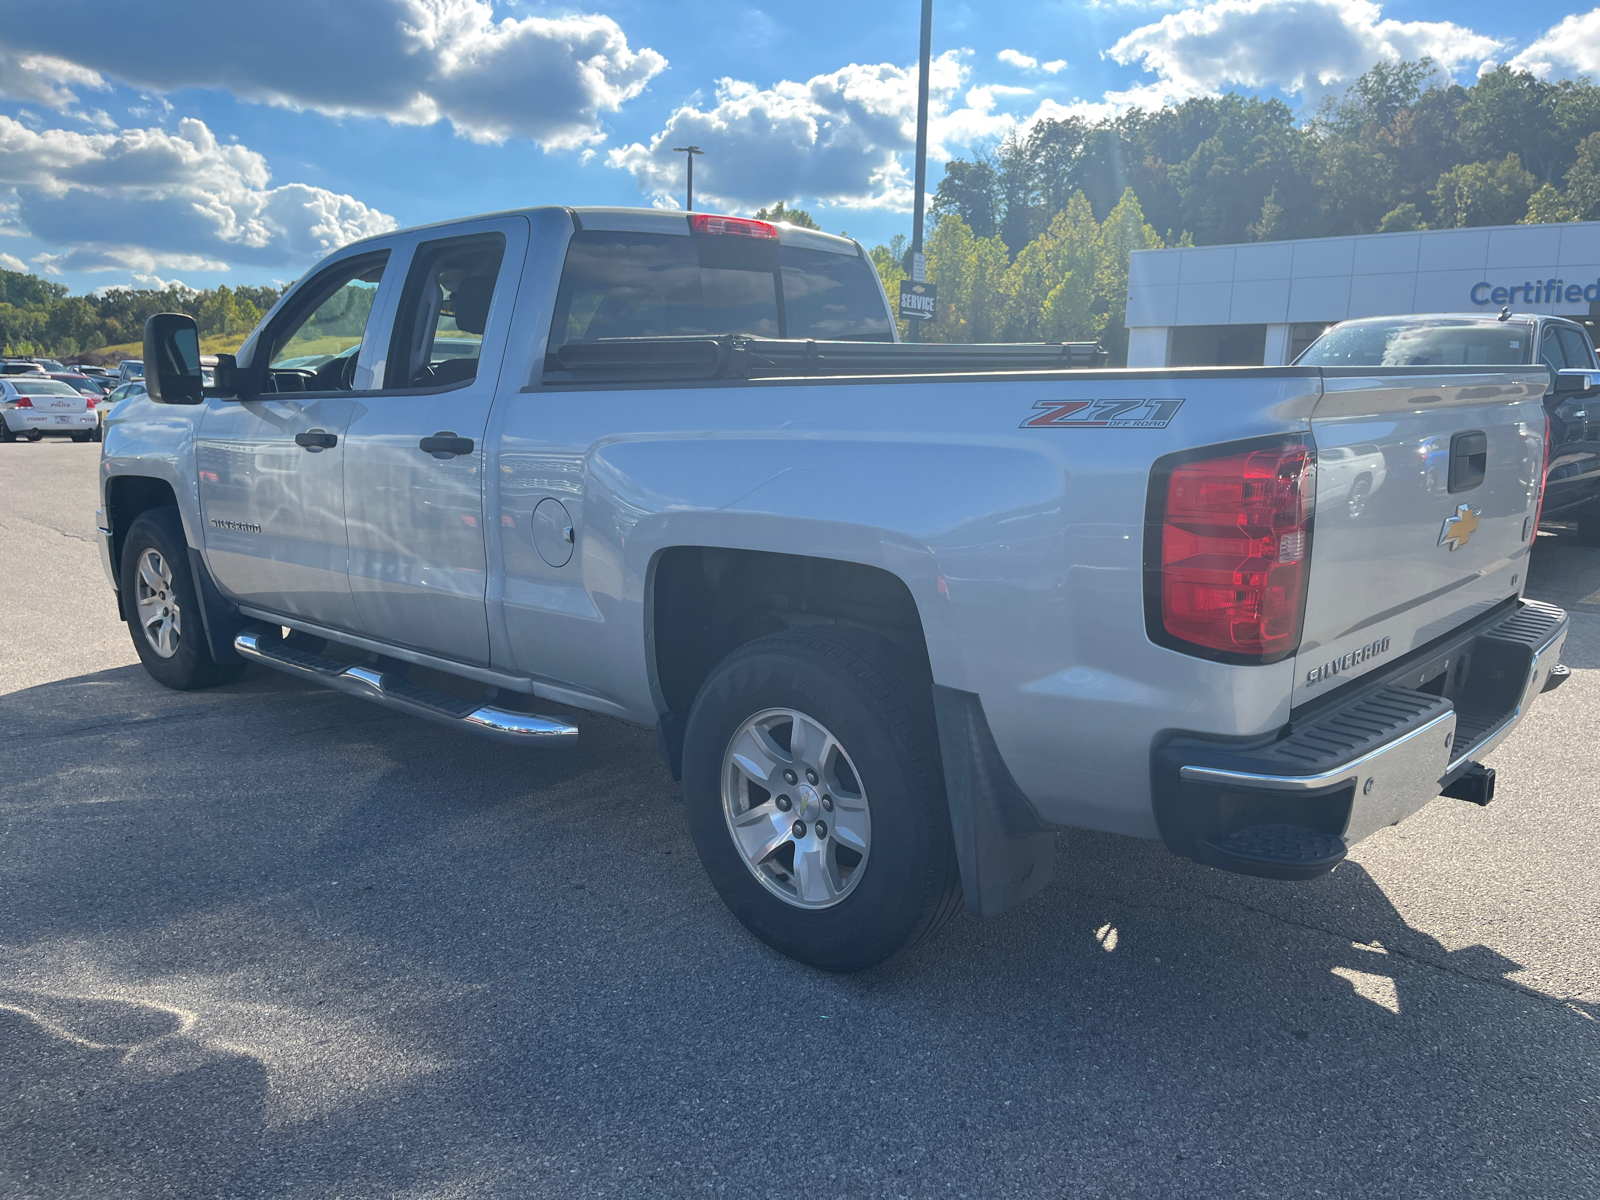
217 343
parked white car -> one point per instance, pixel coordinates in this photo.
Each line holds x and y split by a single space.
36 406
1349 476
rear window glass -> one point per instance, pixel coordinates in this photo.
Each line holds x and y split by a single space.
663 285
1403 343
42 387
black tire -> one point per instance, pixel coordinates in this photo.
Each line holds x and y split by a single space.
81 437
865 692
6 434
1356 501
99 434
35 435
190 666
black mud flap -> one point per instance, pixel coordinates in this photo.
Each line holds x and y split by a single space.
221 619
1005 851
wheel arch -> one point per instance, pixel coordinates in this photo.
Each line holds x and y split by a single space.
704 602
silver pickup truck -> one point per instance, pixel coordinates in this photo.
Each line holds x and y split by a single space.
898 612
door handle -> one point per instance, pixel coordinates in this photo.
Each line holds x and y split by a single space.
445 444
316 439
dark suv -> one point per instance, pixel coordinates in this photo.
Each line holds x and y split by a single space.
1572 480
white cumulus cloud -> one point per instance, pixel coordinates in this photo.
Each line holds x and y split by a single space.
1027 62
1571 47
149 198
11 262
407 61
841 138
1302 47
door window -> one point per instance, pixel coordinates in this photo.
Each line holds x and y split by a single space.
316 348
1550 350
438 334
1577 347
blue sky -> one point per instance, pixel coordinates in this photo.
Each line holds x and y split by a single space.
211 141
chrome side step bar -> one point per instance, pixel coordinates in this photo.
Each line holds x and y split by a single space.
392 691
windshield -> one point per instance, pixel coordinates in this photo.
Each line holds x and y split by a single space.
1405 342
132 368
662 285
42 387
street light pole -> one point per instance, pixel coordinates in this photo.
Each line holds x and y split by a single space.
691 151
914 328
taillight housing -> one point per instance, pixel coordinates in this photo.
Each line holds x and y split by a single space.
22 402
1228 548
708 223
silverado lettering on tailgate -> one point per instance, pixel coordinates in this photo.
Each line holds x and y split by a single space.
1345 661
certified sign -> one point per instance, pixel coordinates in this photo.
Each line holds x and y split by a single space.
917 300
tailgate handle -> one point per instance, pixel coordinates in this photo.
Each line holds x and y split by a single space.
1469 459
316 439
444 444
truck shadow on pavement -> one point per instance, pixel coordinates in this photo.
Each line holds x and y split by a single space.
269 939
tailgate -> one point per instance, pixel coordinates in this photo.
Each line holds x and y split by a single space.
1397 557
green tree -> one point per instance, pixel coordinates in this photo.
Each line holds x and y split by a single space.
1483 193
1583 180
887 260
1402 218
1061 262
1123 232
1547 206
968 273
778 215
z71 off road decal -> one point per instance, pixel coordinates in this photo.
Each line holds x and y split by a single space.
1103 414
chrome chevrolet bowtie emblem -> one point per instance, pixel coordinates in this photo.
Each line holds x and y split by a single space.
1458 527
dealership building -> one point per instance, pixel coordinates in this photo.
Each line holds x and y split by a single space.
1264 302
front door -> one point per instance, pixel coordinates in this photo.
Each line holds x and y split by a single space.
414 451
271 469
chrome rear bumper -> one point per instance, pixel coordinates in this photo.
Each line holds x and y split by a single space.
1355 766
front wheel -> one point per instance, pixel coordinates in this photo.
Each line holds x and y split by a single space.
163 608
813 791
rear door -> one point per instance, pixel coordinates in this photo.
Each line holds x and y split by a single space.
414 457
1571 459
271 469
1404 548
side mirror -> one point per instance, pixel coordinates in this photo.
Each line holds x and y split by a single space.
1575 380
172 359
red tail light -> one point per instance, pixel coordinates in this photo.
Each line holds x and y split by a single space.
737 226
23 402
1235 540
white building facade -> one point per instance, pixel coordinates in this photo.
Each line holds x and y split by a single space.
1264 302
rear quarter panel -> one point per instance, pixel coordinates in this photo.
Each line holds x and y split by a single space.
1022 547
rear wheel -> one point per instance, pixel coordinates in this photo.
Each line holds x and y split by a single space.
163 608
814 796
81 437
7 434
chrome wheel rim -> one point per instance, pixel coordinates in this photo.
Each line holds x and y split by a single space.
159 615
796 808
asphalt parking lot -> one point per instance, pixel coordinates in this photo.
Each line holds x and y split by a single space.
272 941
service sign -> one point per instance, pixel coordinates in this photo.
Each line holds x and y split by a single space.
917 300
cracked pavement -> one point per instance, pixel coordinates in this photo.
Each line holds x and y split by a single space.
271 941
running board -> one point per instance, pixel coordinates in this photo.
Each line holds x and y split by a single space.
392 691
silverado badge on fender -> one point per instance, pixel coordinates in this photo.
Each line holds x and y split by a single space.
1458 527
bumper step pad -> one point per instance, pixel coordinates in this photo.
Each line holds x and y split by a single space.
391 690
1281 851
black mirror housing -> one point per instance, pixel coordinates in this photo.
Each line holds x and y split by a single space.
1576 379
172 359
